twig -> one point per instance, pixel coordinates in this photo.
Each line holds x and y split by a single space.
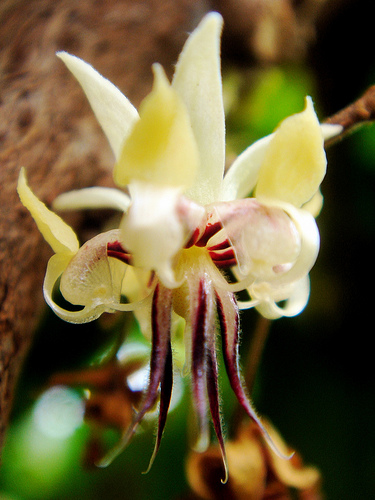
360 112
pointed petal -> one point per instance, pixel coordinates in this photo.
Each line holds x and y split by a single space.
161 148
159 367
213 398
197 79
55 231
201 322
92 197
165 400
295 163
229 323
242 176
112 109
56 266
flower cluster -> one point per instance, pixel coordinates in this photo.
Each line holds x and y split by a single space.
186 223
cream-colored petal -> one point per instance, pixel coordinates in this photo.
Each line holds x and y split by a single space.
92 278
56 266
156 227
112 109
92 197
161 148
197 79
242 176
55 231
296 298
295 162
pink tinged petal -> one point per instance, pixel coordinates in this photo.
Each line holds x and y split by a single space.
112 109
160 372
263 238
197 80
229 323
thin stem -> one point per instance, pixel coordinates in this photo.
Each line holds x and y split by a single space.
253 360
360 112
256 350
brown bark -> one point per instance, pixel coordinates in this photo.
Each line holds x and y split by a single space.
46 126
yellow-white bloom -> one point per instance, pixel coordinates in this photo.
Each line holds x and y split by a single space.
185 222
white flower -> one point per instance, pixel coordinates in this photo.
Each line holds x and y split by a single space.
185 222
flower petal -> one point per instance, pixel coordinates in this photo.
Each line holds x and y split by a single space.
56 266
262 237
112 109
229 323
161 148
197 80
296 297
212 377
91 278
159 363
295 162
201 321
242 176
156 227
55 231
92 197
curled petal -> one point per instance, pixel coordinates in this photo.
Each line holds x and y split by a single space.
291 284
56 266
112 109
160 371
295 162
264 238
92 278
55 231
197 80
265 299
161 148
92 197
